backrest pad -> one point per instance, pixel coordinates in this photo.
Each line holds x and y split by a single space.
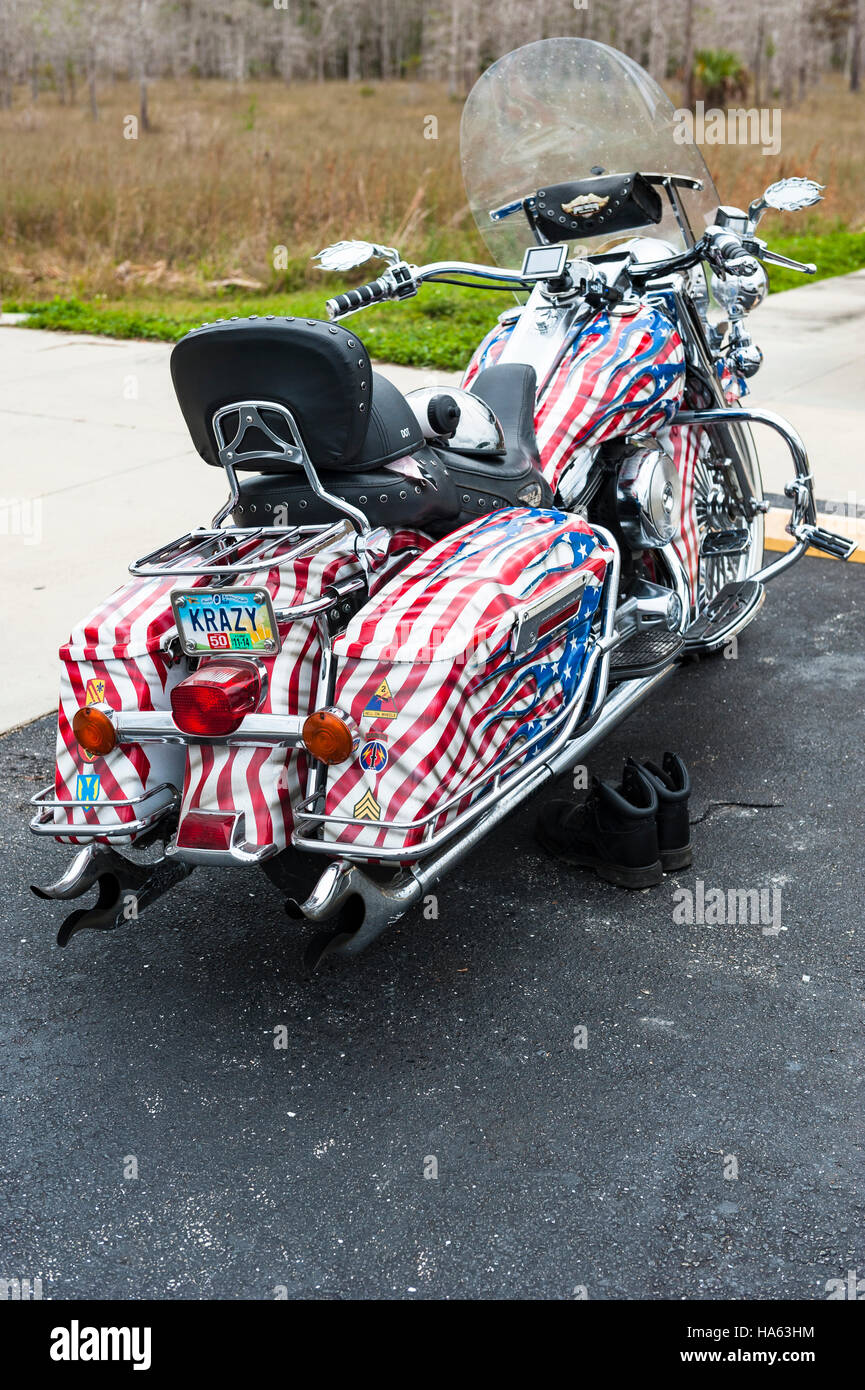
319 371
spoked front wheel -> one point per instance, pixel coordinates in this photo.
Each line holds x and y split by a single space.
727 483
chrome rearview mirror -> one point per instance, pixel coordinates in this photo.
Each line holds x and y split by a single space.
787 195
345 255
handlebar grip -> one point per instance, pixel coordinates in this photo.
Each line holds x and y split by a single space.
728 249
357 298
728 245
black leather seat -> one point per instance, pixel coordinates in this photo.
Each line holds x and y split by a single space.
485 481
442 491
358 429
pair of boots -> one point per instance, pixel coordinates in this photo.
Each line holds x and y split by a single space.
629 835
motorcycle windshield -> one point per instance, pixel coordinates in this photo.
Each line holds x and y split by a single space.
560 110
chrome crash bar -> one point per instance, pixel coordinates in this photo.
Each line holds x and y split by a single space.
147 809
802 525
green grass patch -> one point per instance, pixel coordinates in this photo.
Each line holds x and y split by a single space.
834 252
440 327
437 328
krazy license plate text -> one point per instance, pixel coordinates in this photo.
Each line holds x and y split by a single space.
225 620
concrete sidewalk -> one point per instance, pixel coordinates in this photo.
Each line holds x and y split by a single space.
813 374
97 466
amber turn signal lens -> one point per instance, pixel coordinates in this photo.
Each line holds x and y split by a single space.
94 731
328 736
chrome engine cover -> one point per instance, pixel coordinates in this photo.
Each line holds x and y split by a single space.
649 496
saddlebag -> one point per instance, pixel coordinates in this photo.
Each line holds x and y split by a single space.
116 657
461 668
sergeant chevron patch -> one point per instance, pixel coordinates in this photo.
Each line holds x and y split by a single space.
367 808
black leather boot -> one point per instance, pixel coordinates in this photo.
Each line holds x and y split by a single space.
614 831
673 788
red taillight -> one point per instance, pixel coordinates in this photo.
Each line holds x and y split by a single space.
215 698
206 830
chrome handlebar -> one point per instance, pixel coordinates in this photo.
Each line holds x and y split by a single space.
724 250
402 280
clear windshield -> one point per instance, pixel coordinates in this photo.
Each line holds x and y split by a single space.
557 111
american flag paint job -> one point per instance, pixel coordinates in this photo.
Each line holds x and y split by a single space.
618 374
685 443
438 637
119 643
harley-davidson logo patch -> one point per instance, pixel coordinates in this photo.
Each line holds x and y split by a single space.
367 808
585 205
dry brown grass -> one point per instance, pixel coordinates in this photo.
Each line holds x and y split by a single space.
230 172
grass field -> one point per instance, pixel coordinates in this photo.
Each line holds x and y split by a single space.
146 237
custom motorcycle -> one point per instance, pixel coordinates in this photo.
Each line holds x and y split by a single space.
415 610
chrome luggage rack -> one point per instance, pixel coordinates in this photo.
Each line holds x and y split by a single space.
228 550
150 807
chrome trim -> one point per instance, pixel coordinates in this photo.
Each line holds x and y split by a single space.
158 726
800 489
649 497
487 272
208 551
48 803
385 904
525 632
681 583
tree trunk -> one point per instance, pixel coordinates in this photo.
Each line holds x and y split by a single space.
657 59
758 62
689 52
856 48
144 110
454 53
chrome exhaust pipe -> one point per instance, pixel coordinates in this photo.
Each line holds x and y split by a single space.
125 888
368 908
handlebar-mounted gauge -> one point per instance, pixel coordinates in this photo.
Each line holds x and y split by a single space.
544 262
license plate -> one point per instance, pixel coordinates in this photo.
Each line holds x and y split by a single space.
225 620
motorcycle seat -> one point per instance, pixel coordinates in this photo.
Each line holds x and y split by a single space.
509 390
399 481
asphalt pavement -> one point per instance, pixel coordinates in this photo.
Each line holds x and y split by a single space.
426 1126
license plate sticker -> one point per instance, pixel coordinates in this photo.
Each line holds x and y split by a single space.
225 620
